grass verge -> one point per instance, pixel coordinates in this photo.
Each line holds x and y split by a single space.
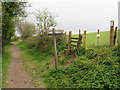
35 63
5 64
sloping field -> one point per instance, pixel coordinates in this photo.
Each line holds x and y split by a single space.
91 38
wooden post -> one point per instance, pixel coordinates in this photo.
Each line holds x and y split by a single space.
55 50
98 37
79 40
65 36
112 33
84 40
69 41
115 35
79 31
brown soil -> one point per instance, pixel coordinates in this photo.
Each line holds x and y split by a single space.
17 77
69 61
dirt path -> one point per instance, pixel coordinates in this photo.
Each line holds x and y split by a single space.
17 77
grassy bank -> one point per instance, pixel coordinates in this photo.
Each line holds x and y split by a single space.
35 63
94 68
5 64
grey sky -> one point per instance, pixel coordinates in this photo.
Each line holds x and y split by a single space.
79 14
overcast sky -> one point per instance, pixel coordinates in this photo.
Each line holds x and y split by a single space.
87 15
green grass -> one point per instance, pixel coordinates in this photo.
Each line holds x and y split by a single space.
87 71
5 64
95 67
35 63
91 39
0 71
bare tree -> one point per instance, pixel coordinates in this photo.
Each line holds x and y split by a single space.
45 20
25 29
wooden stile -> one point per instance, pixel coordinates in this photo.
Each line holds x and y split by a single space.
74 38
74 41
72 47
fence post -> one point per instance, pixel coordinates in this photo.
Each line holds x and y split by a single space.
69 41
98 37
115 35
112 33
84 40
65 36
55 50
80 37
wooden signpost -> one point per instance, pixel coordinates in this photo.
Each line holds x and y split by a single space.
55 50
55 33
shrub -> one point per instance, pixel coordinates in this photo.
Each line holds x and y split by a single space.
32 41
44 43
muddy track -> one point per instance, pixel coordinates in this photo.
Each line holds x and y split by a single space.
17 77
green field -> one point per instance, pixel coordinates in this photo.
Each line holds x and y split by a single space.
91 38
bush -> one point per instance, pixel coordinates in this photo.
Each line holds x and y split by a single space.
44 43
32 41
